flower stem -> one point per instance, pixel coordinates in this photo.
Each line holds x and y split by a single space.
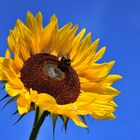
37 125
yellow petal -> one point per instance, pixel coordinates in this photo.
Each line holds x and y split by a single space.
102 111
24 51
23 103
39 21
46 101
76 43
7 73
99 88
100 106
87 97
20 32
110 79
69 39
65 28
31 23
47 36
7 54
55 20
11 41
34 95
13 88
77 121
18 60
101 116
96 72
99 54
2 76
85 56
65 37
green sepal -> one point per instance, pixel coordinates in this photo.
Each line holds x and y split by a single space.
84 120
4 97
2 87
38 114
65 120
54 120
16 112
32 107
11 100
19 119
2 82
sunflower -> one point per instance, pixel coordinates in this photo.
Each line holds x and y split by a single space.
55 72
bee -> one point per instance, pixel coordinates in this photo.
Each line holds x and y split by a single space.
64 60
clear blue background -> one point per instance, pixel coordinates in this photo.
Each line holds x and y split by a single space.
117 23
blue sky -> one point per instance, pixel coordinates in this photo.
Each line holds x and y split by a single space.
117 24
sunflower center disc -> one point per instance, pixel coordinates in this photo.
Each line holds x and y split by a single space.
46 74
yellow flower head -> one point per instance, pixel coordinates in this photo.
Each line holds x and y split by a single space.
56 70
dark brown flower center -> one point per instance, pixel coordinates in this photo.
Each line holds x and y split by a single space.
46 73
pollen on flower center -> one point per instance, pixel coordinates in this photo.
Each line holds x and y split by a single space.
49 74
